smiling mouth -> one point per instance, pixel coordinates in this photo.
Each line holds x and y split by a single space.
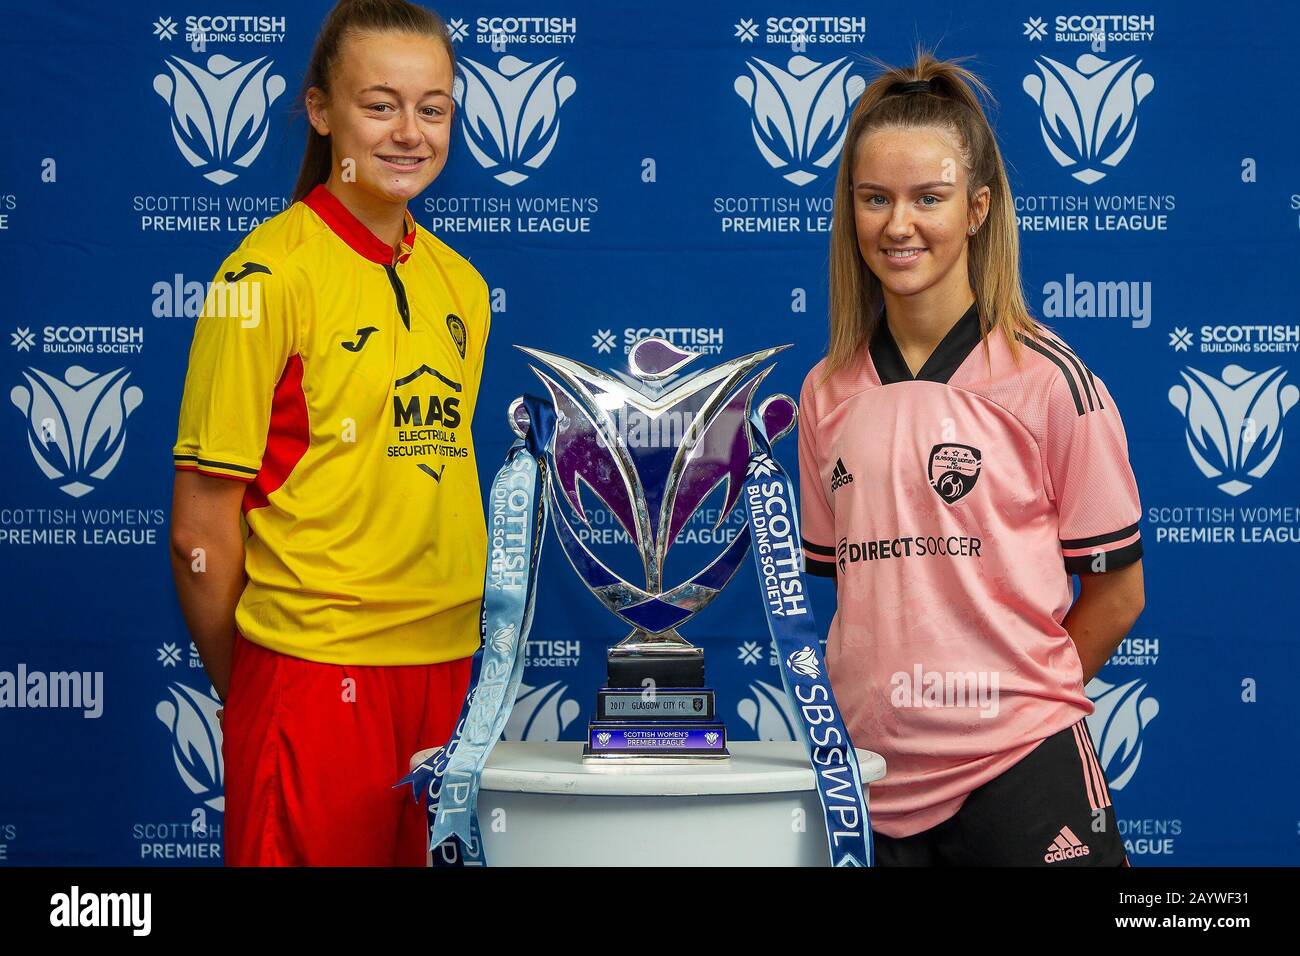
404 160
904 254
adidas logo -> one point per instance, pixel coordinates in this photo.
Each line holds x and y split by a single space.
1066 846
840 475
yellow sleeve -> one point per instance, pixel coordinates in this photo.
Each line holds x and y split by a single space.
243 340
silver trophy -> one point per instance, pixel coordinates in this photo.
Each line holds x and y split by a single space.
650 446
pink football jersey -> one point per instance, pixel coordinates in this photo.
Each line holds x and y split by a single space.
952 507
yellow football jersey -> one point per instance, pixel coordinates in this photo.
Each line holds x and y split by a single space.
339 381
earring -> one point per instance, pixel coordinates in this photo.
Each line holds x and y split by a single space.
972 230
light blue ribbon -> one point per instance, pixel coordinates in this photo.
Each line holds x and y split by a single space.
778 556
517 509
426 780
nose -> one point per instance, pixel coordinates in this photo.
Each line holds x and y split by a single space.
407 130
899 226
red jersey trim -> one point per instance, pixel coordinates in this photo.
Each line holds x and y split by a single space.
352 231
287 436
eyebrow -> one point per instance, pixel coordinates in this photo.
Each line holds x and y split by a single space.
937 184
380 88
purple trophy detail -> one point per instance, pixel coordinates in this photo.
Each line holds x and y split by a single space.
651 446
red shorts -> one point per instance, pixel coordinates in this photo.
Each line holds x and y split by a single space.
312 752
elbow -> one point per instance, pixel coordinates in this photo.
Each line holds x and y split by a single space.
1135 603
1136 609
184 544
191 539
205 518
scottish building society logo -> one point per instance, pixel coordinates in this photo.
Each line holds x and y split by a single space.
220 115
804 662
511 115
1234 423
799 114
1088 115
1118 723
504 638
76 427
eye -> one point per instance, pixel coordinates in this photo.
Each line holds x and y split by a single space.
871 200
936 199
379 107
432 111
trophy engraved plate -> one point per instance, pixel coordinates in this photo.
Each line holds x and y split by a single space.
618 704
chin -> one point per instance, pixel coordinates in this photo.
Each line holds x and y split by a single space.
902 284
910 288
407 191
396 192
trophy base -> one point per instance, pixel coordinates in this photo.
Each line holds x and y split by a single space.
655 741
666 660
655 707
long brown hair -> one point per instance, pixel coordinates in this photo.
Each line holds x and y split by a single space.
993 258
351 17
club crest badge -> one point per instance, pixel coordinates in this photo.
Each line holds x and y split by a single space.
954 469
457 329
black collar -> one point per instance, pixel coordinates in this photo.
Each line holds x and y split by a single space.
943 361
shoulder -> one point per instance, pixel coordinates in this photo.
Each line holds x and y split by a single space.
460 269
1041 382
812 395
812 381
1042 376
824 390
283 244
1073 382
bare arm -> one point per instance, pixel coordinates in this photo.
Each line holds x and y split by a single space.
1106 608
207 553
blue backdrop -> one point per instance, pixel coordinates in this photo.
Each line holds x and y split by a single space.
673 184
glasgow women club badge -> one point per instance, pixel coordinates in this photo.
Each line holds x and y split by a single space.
954 469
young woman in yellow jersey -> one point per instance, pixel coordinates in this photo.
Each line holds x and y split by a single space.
331 385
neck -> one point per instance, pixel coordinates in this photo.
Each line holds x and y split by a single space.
385 219
919 322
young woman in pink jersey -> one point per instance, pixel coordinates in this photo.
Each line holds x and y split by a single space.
959 464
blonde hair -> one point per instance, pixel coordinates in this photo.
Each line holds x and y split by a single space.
993 257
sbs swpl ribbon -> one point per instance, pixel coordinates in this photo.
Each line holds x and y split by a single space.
516 526
778 555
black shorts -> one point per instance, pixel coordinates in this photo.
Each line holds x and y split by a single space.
1051 809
